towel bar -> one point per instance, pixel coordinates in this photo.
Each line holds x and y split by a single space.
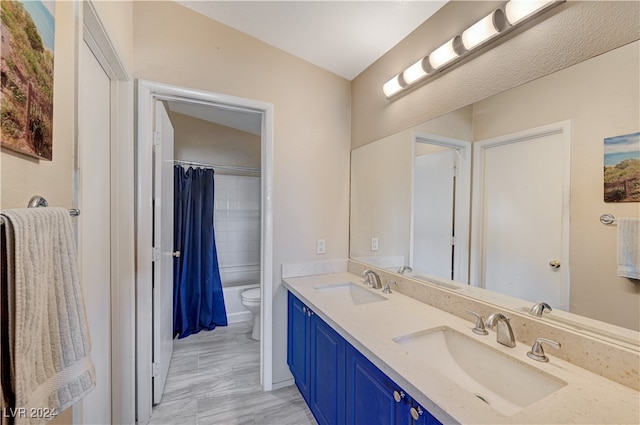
40 202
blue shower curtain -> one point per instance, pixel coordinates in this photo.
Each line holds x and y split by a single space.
198 302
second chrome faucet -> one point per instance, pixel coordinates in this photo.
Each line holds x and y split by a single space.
372 278
504 333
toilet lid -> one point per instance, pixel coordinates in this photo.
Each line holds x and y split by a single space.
251 294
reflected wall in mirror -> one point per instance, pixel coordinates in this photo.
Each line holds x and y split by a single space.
599 99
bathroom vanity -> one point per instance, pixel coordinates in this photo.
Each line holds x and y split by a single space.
360 356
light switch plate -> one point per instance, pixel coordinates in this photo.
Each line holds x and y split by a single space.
320 246
374 244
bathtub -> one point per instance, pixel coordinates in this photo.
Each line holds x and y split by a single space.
236 280
233 303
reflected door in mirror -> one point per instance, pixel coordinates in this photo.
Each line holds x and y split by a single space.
521 200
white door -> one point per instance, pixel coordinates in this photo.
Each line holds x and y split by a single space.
522 207
94 226
163 245
433 211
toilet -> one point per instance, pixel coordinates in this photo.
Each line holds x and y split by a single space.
251 301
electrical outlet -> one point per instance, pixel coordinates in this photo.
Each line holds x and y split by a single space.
374 244
320 246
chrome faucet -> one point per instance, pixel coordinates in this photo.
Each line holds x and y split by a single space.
504 333
403 269
372 278
538 309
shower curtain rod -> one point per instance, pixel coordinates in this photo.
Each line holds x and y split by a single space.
221 167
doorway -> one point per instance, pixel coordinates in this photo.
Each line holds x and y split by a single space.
148 94
441 191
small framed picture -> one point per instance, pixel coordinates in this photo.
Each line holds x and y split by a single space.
28 32
622 168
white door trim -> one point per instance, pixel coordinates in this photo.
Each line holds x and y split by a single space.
462 199
95 35
480 147
147 93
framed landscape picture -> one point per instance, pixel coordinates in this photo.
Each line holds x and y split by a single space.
28 35
622 168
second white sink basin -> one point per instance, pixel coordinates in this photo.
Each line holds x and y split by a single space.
349 292
503 382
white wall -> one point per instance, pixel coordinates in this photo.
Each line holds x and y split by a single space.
237 228
311 130
22 177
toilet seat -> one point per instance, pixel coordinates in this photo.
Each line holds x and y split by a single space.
251 295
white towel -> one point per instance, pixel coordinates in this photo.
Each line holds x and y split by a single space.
51 366
629 248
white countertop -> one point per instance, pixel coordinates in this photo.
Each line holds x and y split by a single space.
586 399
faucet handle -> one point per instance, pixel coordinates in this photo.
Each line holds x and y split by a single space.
479 328
537 353
387 288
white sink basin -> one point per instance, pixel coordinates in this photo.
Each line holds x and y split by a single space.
503 382
350 292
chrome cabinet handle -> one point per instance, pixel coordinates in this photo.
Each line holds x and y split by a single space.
176 254
555 264
416 413
398 396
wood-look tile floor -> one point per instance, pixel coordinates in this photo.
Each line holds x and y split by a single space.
214 379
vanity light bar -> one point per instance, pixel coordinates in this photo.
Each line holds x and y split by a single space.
491 27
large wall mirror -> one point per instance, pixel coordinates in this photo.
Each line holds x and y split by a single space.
501 199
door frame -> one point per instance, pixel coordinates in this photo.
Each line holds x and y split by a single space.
91 30
477 237
462 199
147 93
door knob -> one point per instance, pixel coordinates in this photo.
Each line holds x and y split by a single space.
554 264
176 254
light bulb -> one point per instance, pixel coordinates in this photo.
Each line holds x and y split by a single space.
443 55
392 86
414 72
518 10
483 30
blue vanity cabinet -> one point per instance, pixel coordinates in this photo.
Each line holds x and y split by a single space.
327 395
298 346
373 398
315 355
371 395
340 385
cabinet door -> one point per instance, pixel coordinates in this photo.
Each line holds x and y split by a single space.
298 347
327 373
369 392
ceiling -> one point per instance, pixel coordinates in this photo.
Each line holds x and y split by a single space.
247 121
344 37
